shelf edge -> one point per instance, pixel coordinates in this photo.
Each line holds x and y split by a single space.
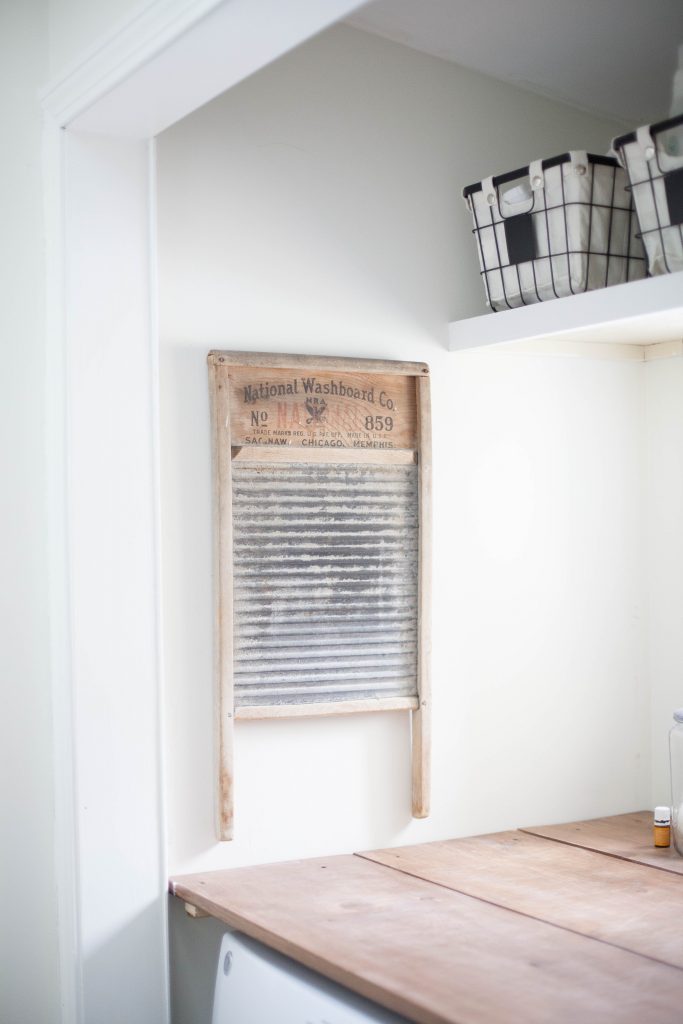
643 313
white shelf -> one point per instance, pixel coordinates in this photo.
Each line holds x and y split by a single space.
641 313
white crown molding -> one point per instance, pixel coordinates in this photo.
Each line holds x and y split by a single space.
112 60
176 55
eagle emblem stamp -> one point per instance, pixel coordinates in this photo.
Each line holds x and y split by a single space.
315 407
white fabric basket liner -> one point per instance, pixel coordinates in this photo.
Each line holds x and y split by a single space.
584 231
648 158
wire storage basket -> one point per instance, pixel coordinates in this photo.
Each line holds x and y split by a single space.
557 227
653 158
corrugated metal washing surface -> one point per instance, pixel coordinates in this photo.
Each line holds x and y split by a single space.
325 582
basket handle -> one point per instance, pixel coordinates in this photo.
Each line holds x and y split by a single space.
536 176
489 191
579 161
492 195
644 139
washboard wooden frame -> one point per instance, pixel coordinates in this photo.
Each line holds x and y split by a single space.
394 399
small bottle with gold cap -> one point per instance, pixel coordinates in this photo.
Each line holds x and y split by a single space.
662 828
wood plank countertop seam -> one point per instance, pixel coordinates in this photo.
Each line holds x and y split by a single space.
618 902
461 931
625 836
463 890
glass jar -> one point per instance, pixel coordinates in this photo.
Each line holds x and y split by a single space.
676 755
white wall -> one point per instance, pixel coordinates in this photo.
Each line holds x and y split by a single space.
315 208
664 558
388 138
29 962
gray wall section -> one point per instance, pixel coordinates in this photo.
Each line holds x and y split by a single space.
194 945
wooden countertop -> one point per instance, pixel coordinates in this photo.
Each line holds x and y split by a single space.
553 924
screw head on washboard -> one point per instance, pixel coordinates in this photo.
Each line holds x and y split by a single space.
322 482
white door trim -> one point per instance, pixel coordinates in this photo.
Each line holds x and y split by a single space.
166 60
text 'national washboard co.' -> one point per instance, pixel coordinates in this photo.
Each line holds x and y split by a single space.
265 390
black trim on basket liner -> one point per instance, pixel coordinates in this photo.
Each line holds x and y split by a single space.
553 161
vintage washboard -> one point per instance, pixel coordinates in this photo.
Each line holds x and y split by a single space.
322 525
